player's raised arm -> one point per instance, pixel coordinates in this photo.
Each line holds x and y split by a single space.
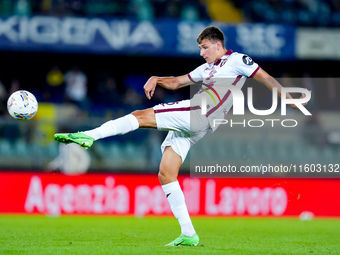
171 83
266 79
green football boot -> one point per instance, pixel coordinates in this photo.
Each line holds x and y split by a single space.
80 138
185 241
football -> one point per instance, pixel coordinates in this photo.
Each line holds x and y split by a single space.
22 105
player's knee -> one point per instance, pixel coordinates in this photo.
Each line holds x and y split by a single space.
146 118
137 113
161 176
140 117
165 176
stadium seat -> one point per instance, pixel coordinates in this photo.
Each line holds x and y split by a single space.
21 148
5 148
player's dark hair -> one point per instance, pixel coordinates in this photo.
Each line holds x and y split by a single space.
212 34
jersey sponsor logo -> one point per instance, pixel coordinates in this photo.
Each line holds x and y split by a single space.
247 60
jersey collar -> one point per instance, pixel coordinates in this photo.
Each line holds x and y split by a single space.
229 52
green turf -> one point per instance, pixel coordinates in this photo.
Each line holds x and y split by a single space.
126 235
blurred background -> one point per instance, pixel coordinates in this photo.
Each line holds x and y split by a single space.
87 61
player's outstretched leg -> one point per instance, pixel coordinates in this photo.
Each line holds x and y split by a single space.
85 139
145 119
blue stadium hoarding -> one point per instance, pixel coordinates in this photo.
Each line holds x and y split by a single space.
263 41
130 37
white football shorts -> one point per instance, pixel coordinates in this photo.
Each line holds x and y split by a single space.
185 123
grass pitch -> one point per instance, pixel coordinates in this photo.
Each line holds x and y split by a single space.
128 235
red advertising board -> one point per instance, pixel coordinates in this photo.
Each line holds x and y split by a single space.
126 194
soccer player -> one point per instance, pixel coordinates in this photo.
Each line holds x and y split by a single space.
184 120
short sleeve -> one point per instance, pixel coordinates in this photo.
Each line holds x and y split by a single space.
245 65
197 74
